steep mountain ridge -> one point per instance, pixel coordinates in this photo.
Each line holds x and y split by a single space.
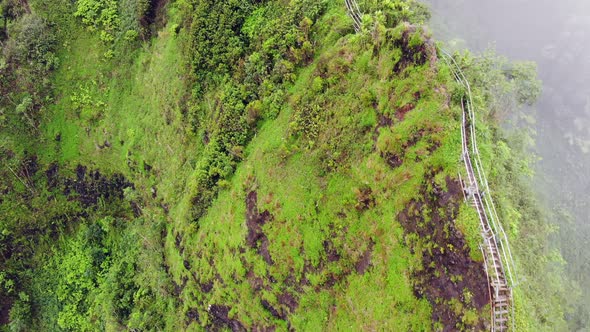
252 166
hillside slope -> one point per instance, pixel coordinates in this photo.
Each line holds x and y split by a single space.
203 165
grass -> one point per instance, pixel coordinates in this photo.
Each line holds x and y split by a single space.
137 111
310 206
344 225
312 185
468 225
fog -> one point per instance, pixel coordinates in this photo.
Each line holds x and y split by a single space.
556 35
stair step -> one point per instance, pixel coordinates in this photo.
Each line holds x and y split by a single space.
501 312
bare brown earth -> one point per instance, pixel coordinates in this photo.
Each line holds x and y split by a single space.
5 306
410 56
256 238
448 271
365 261
90 186
413 55
220 320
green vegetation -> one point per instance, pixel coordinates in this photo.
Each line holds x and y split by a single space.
501 85
203 165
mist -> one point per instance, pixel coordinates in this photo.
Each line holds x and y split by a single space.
556 35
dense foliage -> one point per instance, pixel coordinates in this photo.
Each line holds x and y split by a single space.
250 165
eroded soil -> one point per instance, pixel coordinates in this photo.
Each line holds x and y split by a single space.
90 186
220 320
449 273
5 306
414 55
256 238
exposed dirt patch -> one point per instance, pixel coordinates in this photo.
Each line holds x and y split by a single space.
263 328
365 261
289 301
207 287
92 186
256 239
448 270
414 53
364 199
393 160
27 170
256 282
29 167
52 175
401 112
192 316
178 243
5 306
178 288
220 319
165 207
105 144
147 167
396 160
332 254
268 307
136 208
382 121
287 304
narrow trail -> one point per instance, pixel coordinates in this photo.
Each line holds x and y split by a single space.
498 262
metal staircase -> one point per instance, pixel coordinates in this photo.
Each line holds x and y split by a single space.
498 262
352 8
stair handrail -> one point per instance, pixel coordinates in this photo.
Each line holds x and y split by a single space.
487 201
492 221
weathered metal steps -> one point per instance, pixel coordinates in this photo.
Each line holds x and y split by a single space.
498 262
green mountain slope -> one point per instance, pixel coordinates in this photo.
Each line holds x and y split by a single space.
202 165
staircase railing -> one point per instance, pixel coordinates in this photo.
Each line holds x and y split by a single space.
354 12
497 225
498 259
498 241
